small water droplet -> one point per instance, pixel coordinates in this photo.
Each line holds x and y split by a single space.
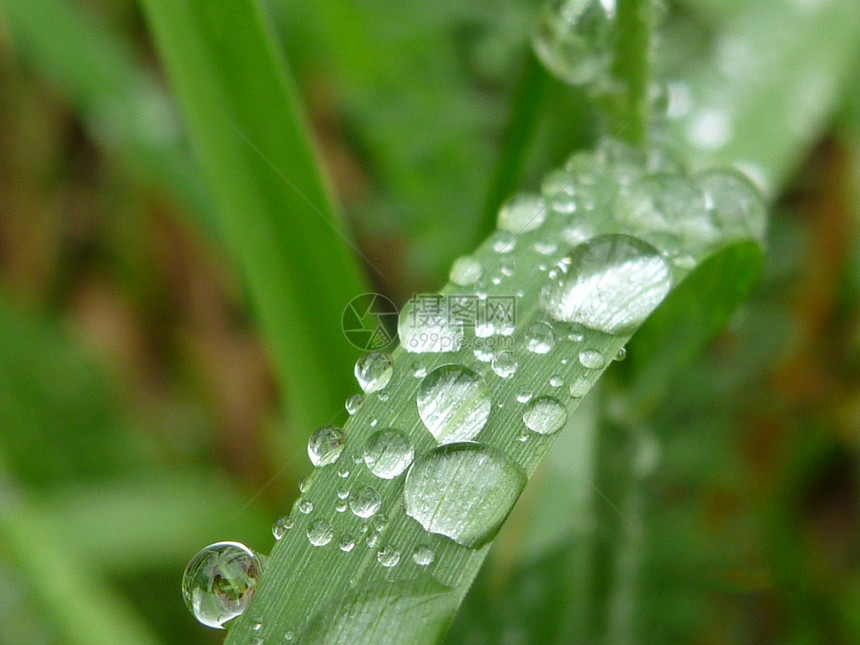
383 395
379 522
524 397
325 445
388 557
546 246
540 338
303 485
346 545
365 501
504 242
610 283
521 213
523 438
342 492
288 636
353 403
463 491
735 203
372 540
220 581
621 354
387 453
576 332
425 325
423 556
418 369
591 359
579 388
545 415
373 371
340 507
465 271
572 39
505 363
320 533
281 526
343 472
483 353
257 626
454 403
306 506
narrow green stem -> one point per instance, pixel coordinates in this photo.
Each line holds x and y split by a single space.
631 69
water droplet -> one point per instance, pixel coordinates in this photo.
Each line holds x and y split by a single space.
484 329
572 39
465 270
365 501
463 491
320 533
423 556
341 506
372 540
343 472
383 395
353 403
576 332
418 369
579 388
621 354
524 397
483 353
610 283
523 438
521 213
545 415
505 363
425 325
288 636
388 557
454 403
325 445
540 338
281 526
504 242
379 522
735 203
373 371
546 245
346 545
591 359
342 492
303 485
306 506
220 581
257 626
387 453
710 128
556 381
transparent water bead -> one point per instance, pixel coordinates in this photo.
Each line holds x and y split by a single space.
281 526
425 325
320 533
545 415
591 359
465 271
540 338
423 556
373 371
558 191
609 283
365 501
667 204
463 491
220 581
734 202
353 403
505 363
579 388
325 445
454 403
572 39
388 557
388 453
522 213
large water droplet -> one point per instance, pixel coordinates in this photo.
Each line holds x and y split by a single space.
373 371
220 581
325 445
463 491
454 403
521 213
365 501
609 283
736 204
572 39
591 359
320 533
465 270
388 452
545 415
425 325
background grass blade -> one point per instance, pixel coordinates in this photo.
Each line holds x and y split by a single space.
252 144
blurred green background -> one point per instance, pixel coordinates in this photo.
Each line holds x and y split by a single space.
139 413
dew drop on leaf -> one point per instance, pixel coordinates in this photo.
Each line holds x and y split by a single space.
463 491
388 453
281 526
504 363
220 581
325 445
540 338
373 371
591 359
735 203
609 283
320 533
545 415
465 271
423 556
365 501
522 213
388 557
353 403
454 403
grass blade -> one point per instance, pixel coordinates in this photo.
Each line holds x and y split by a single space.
274 209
